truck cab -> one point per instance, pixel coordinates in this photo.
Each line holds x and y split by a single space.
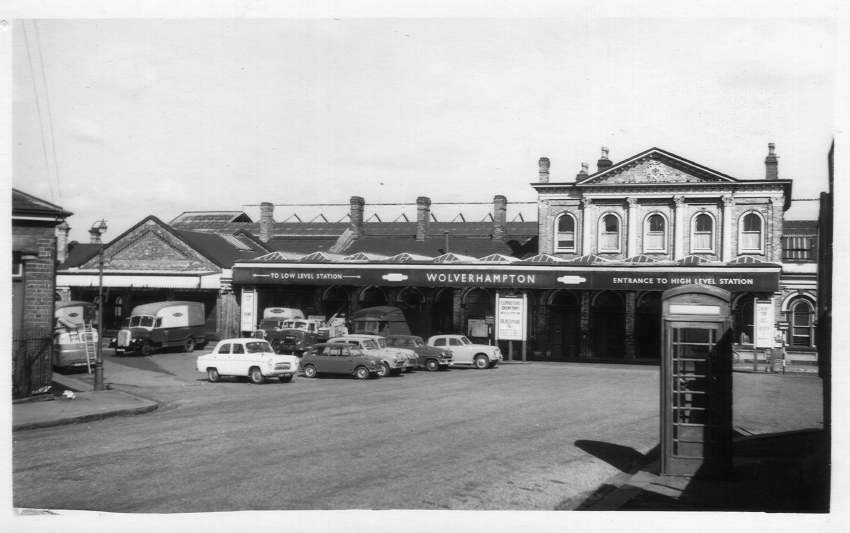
159 325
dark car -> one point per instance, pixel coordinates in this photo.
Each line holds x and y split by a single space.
291 340
430 358
340 358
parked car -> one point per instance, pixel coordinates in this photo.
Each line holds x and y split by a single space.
465 352
252 358
162 325
74 334
273 319
395 360
340 358
430 358
295 336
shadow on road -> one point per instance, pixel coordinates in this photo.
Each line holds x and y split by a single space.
623 458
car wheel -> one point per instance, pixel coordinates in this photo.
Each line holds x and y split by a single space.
431 365
310 371
285 379
147 349
213 375
361 372
256 376
481 361
189 346
383 370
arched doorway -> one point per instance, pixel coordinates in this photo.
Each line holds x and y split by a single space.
745 318
412 302
563 325
478 305
607 326
442 312
648 326
372 296
335 301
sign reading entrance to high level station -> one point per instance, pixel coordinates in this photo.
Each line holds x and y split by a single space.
749 279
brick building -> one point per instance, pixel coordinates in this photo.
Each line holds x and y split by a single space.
34 223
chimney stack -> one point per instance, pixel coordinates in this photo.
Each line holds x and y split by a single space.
500 216
603 161
583 172
356 215
62 231
543 165
423 217
94 236
771 163
266 221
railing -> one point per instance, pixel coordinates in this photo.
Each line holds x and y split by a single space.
32 365
799 248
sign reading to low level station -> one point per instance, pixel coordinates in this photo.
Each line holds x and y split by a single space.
650 278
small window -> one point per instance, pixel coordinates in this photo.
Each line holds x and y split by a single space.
224 348
655 234
158 323
17 265
454 342
609 234
751 233
565 237
702 236
440 342
238 348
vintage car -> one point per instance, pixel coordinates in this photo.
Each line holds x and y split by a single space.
252 358
162 325
74 334
395 360
467 353
295 336
341 358
430 358
273 319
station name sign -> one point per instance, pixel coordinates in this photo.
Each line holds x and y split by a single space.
496 277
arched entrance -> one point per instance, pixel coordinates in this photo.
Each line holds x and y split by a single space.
412 302
442 312
745 318
335 301
648 326
372 296
563 325
478 305
607 325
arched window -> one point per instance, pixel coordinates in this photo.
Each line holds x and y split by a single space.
655 233
750 227
802 330
745 318
565 234
609 233
702 233
119 306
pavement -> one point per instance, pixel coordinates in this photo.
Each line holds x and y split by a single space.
781 472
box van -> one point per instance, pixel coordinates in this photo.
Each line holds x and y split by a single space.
74 334
163 325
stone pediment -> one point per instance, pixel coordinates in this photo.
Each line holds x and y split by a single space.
150 246
653 167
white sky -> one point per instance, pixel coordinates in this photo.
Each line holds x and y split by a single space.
161 116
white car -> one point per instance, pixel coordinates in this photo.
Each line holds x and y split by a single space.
395 360
253 358
464 352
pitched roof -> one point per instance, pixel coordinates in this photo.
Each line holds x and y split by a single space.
79 253
188 219
219 249
24 204
668 158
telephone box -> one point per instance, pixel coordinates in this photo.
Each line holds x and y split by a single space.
696 382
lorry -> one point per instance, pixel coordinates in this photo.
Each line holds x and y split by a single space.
74 337
273 319
159 325
299 334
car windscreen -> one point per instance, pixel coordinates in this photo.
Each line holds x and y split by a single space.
417 342
144 321
257 347
369 344
465 340
382 343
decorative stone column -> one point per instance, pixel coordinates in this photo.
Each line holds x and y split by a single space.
584 326
587 212
631 227
726 205
631 306
678 227
773 230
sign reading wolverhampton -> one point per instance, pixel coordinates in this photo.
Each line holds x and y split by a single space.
752 279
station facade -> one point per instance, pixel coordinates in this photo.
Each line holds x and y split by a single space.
591 269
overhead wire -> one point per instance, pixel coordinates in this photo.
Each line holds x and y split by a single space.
38 110
49 111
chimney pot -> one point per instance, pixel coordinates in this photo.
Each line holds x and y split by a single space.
771 163
266 221
543 165
356 215
603 161
94 236
423 216
62 232
583 172
500 216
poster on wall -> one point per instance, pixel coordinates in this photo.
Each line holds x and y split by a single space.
249 310
511 314
764 324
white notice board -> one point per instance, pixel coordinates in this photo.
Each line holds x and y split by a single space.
764 328
249 310
511 317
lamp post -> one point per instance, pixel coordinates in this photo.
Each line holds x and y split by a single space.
99 228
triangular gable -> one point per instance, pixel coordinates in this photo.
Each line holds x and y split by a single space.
454 258
544 259
405 257
151 245
656 166
498 258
